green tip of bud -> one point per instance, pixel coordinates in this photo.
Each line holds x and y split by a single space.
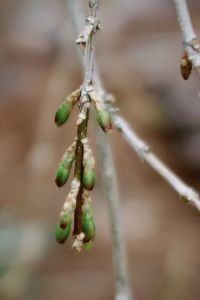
88 227
88 246
62 175
89 178
62 232
62 114
104 120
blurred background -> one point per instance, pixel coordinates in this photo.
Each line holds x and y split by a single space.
138 53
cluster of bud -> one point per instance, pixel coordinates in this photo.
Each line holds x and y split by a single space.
87 228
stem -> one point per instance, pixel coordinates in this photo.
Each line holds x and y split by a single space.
82 133
84 105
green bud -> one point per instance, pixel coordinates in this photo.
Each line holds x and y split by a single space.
62 175
88 227
104 120
89 178
63 227
63 113
62 232
64 168
88 246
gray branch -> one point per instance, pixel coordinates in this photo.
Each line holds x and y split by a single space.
123 291
189 37
143 151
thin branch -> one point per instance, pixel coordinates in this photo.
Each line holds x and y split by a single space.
144 153
190 42
123 291
184 21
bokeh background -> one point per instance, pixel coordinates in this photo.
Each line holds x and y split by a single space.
138 53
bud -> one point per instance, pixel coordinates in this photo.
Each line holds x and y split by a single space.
186 66
63 228
102 115
63 113
88 246
88 226
89 178
62 175
64 110
64 168
62 233
104 120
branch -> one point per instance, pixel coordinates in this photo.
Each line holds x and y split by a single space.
190 42
123 291
144 153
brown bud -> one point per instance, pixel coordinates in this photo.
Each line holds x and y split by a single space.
186 66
